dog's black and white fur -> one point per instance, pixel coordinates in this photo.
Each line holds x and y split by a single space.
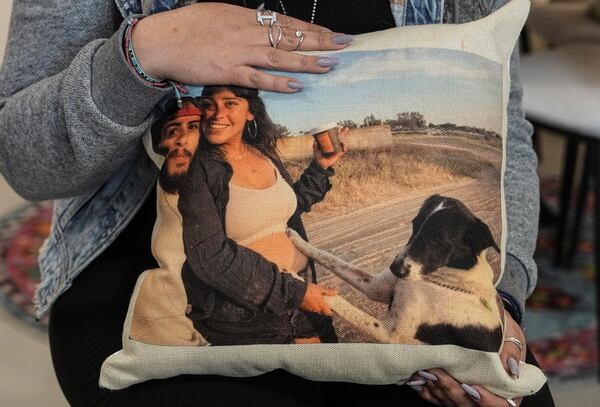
439 289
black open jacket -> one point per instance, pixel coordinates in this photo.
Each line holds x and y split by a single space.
224 280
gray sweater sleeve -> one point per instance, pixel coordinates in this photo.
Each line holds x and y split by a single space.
521 191
71 109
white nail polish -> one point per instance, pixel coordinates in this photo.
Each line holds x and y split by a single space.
427 375
471 391
513 366
511 402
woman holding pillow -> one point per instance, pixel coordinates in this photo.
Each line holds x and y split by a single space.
91 107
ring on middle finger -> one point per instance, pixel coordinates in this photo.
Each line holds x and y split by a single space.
300 35
275 41
262 15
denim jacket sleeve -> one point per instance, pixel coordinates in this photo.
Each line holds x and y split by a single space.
238 273
71 110
312 186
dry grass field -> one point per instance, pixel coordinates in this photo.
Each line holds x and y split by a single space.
400 167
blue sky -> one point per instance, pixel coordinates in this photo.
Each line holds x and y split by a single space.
444 85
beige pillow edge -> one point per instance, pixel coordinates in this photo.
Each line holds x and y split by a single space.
370 363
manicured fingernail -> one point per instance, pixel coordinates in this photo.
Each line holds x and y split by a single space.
417 388
295 85
471 391
427 375
343 39
416 383
513 366
327 62
511 402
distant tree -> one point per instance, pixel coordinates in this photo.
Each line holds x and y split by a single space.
370 121
348 123
410 121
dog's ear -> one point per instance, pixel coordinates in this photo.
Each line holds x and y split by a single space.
479 237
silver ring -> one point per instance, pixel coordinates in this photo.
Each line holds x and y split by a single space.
300 35
262 15
515 341
275 41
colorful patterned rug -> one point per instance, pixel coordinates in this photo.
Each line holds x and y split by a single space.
22 233
560 318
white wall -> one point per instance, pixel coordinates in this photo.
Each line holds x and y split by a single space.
8 199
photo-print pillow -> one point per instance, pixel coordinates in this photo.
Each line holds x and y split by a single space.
353 231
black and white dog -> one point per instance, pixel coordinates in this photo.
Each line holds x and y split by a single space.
439 289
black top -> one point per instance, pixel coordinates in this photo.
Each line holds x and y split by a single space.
345 16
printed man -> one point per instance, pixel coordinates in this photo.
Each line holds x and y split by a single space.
159 313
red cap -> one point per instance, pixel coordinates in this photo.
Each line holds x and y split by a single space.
188 109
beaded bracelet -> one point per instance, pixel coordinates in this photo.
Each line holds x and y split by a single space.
132 59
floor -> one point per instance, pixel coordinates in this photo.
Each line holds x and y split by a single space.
27 378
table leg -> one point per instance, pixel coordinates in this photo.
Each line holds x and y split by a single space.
581 204
565 196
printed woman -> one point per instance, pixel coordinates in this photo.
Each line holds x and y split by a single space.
245 280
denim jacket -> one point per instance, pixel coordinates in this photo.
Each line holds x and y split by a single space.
86 224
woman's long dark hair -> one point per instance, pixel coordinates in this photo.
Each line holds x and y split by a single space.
266 134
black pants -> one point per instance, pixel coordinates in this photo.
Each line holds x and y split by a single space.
86 324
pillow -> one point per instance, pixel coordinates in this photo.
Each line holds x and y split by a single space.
408 225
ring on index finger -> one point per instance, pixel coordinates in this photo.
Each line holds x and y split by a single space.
515 341
275 41
300 35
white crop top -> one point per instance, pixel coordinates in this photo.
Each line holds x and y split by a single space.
252 214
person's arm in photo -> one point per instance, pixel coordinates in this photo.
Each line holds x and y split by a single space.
237 272
314 183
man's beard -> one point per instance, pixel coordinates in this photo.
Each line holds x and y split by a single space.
171 183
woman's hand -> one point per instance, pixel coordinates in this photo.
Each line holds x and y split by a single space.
441 389
329 161
314 300
212 43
